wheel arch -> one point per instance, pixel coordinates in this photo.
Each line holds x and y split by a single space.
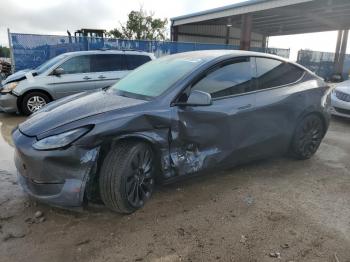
294 148
93 181
323 118
20 98
142 138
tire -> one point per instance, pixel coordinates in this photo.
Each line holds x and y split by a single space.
127 177
307 137
33 101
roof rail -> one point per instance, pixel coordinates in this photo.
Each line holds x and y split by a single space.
131 49
123 49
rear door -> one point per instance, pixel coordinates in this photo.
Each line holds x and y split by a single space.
278 96
108 69
76 78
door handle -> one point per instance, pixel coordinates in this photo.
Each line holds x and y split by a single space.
244 107
86 78
101 77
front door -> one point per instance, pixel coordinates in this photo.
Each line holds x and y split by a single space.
77 77
221 133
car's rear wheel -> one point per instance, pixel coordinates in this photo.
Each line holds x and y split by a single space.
307 137
127 177
33 101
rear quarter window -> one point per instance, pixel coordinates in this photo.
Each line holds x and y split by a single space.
134 61
274 73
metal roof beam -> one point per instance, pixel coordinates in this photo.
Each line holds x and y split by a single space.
326 15
279 19
300 24
309 15
294 31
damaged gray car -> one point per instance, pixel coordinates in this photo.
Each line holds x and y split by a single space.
175 116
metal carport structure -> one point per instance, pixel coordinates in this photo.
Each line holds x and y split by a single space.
249 24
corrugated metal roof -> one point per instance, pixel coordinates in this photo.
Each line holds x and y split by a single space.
276 17
234 9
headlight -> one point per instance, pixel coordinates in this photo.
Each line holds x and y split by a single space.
9 87
60 140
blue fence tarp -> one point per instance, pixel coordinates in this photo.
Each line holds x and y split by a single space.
322 63
30 51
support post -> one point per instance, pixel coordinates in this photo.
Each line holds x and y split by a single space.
227 38
340 51
337 50
343 51
267 41
264 42
174 33
13 66
246 31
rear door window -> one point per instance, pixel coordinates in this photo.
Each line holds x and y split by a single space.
77 65
134 61
107 62
274 73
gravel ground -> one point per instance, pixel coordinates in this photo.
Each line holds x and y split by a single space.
273 210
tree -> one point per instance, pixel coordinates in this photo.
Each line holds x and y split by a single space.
4 51
141 25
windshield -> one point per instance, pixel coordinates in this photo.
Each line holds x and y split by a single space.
48 64
155 77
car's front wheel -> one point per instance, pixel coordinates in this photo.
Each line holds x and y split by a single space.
307 137
127 177
33 101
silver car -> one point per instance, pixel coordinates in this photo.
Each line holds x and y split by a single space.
29 90
341 99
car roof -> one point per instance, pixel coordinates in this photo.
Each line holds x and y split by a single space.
224 54
95 52
214 54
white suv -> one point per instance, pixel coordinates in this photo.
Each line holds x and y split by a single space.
69 73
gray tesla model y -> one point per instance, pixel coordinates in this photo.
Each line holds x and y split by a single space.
175 116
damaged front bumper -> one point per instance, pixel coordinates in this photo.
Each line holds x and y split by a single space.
56 177
8 103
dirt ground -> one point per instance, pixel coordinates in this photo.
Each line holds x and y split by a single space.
299 209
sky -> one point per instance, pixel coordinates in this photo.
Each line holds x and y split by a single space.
56 16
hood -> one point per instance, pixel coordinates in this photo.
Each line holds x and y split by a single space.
16 76
344 87
73 108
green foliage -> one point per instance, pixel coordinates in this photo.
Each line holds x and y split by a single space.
141 25
4 51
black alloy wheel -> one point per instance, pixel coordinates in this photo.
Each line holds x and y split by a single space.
127 177
308 137
139 182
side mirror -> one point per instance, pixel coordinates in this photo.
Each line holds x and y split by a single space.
199 98
58 71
